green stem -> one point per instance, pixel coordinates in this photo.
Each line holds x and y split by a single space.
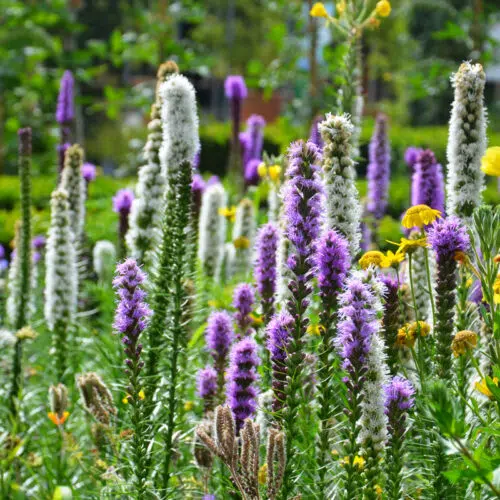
429 284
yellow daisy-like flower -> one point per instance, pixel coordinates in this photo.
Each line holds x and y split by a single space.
409 246
359 462
315 329
340 7
372 257
263 475
490 163
228 212
262 169
483 388
383 8
188 406
496 290
463 341
392 259
419 216
125 400
318 10
58 419
274 173
407 335
241 242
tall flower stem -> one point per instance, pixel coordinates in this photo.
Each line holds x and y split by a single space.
25 268
429 285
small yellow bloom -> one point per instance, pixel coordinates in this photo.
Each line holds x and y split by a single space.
256 320
496 259
101 464
334 453
26 333
407 335
374 22
483 388
241 242
409 246
213 303
125 400
58 419
228 212
141 394
469 282
188 406
462 342
490 163
340 7
359 462
318 10
419 216
262 169
383 8
315 330
496 290
392 259
372 257
378 490
263 475
274 173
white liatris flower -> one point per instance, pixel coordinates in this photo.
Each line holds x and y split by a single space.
104 258
343 209
227 265
73 183
466 141
273 203
212 230
244 230
61 281
179 123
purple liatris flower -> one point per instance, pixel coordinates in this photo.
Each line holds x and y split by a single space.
206 383
197 189
255 126
398 399
278 337
411 156
333 261
243 302
265 267
214 179
89 172
65 112
428 182
38 243
448 238
379 169
251 172
132 311
242 376
235 87
122 204
315 135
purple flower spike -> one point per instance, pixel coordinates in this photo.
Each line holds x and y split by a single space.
198 187
255 126
242 375
428 182
214 179
38 242
265 267
122 201
206 383
398 400
89 172
65 112
243 302
333 261
447 237
303 200
132 312
278 338
235 87
314 135
219 334
379 169
411 156
252 177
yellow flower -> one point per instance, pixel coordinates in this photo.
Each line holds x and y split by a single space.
256 320
374 22
263 475
315 329
141 394
340 7
420 216
469 282
378 490
58 419
496 290
383 8
101 464
462 342
372 257
188 406
274 173
490 163
409 246
392 259
241 242
26 333
496 259
213 303
407 335
483 388
262 169
359 462
228 213
318 10
125 400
